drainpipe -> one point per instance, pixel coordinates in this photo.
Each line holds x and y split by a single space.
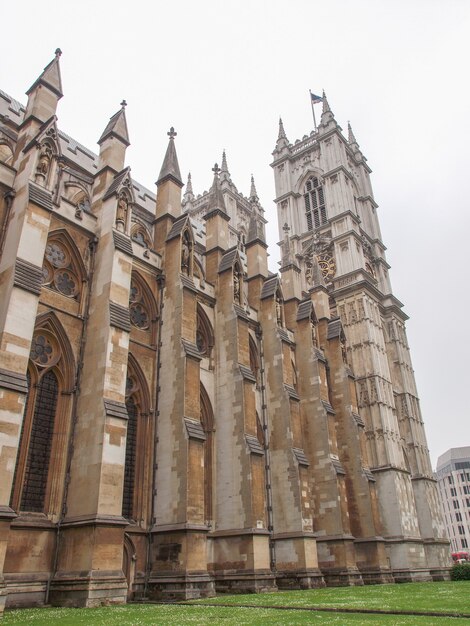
161 287
76 391
267 454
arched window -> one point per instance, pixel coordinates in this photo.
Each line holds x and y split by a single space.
140 235
315 209
138 445
131 449
39 453
142 306
255 364
204 333
62 268
41 459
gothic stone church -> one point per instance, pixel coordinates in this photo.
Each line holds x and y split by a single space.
175 419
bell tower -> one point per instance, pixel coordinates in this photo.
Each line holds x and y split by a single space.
326 205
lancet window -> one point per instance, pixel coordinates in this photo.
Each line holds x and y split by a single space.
315 208
42 446
138 443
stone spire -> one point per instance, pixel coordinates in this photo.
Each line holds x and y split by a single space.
224 172
112 152
117 127
253 192
282 141
170 168
188 196
45 92
327 118
351 137
256 229
326 106
216 198
50 77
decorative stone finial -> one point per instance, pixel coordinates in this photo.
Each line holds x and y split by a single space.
282 133
58 52
351 137
123 104
253 192
216 169
172 133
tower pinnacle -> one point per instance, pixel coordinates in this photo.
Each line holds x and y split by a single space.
170 168
216 198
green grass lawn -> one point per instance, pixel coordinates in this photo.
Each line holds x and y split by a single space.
443 597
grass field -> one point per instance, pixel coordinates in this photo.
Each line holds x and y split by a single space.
449 597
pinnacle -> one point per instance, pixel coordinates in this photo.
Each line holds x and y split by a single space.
189 184
282 133
351 137
50 76
117 126
326 106
216 198
224 173
253 192
170 168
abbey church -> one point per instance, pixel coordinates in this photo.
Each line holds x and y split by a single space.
175 419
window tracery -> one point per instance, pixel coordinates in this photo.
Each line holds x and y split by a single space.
314 199
59 271
138 309
40 464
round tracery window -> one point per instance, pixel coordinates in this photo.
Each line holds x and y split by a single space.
56 255
139 315
58 271
66 282
44 351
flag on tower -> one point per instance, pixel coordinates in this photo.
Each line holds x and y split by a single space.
315 98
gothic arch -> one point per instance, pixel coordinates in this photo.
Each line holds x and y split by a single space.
204 333
63 267
140 234
42 452
142 307
6 152
309 173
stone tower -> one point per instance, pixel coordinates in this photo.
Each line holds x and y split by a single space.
328 220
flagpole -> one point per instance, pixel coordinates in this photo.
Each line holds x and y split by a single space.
313 111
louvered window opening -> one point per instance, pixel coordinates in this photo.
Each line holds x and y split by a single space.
315 209
39 452
129 469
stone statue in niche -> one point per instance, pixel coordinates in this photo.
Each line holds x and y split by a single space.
185 255
278 310
236 286
44 164
314 332
342 342
121 214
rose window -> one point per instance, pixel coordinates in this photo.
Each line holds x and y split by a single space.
43 350
56 255
139 316
58 271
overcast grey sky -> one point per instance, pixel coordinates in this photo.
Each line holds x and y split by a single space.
223 72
